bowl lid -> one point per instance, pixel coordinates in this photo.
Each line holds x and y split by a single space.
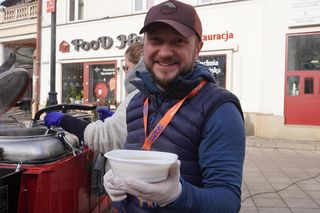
13 84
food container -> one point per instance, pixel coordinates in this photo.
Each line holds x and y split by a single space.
150 166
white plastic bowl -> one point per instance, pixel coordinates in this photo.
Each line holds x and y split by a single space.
150 166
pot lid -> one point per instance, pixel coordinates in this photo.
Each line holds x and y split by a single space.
12 86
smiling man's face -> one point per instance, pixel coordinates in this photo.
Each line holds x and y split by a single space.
167 54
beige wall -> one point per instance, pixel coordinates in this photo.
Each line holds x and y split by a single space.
272 127
18 30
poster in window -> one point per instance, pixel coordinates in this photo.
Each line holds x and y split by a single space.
102 84
217 66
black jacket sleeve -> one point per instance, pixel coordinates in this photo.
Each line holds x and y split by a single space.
74 125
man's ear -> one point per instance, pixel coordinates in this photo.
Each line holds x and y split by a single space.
199 45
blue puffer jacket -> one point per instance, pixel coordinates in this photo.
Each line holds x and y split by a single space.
185 132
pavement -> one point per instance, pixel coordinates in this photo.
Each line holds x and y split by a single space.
281 178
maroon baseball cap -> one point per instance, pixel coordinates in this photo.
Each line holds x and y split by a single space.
182 17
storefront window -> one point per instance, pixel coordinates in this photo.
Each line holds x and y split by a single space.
217 66
304 52
293 85
72 83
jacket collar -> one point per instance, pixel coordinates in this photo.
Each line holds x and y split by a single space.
180 87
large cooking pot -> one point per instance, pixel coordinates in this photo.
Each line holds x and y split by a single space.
39 144
36 145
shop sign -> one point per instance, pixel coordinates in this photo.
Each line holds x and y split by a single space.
218 36
64 47
217 66
106 42
51 6
303 12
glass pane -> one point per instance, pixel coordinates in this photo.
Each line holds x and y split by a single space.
71 10
304 52
217 66
102 84
308 85
138 5
293 85
72 83
80 9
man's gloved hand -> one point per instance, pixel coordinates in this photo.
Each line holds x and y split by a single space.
162 193
104 113
114 191
53 119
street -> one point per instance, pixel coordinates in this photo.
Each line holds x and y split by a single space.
281 181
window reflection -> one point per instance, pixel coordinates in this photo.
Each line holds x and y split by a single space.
76 10
308 85
72 83
304 52
293 85
80 9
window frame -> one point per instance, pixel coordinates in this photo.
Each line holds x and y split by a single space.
76 10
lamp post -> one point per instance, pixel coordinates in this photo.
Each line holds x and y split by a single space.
52 100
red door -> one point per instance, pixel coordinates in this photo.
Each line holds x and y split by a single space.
302 99
302 88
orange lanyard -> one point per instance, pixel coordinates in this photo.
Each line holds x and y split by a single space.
163 123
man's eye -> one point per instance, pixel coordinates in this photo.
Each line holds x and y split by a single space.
154 40
179 41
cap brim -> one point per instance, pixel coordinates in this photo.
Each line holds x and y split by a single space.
180 28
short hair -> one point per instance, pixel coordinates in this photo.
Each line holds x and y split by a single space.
134 52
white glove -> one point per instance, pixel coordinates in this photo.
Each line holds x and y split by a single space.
115 192
163 192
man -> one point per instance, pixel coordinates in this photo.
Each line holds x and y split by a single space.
205 127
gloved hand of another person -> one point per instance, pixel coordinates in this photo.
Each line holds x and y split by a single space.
53 119
104 113
163 192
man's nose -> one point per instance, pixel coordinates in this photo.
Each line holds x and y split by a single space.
166 51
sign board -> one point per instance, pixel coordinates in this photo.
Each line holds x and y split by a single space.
217 66
303 12
51 6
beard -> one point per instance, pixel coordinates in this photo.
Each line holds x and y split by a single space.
164 84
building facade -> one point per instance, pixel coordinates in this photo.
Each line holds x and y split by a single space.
267 52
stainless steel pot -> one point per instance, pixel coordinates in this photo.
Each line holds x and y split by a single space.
35 144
